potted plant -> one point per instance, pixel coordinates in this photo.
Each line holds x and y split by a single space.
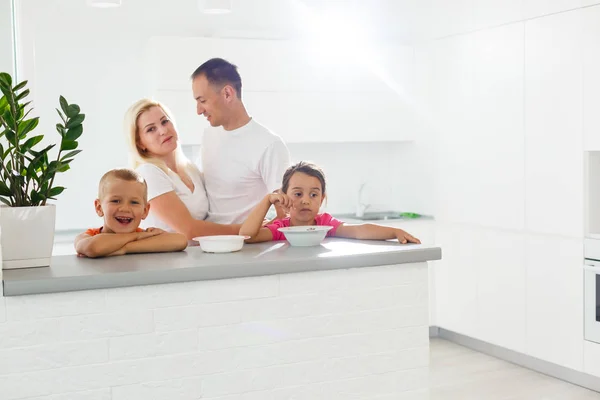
27 175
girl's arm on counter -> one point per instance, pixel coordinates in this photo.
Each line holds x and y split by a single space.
374 232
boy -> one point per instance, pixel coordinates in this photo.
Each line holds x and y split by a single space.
122 202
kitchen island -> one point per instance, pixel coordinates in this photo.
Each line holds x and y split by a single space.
347 319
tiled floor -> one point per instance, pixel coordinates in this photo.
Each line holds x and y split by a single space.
458 373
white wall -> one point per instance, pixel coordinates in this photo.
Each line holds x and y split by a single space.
6 37
506 89
104 71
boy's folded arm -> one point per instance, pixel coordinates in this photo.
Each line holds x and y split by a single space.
156 244
102 244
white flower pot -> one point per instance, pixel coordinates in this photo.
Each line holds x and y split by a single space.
27 236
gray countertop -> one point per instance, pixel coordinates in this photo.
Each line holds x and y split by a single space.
68 273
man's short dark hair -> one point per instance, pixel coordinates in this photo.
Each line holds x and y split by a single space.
220 72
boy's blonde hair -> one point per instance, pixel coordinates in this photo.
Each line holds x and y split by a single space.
124 174
137 155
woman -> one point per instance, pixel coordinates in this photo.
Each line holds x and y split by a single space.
176 191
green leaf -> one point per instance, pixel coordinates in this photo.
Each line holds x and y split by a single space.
61 115
77 120
61 129
4 190
3 104
36 198
63 104
27 126
68 145
55 191
22 95
72 110
63 168
11 137
71 154
9 120
5 201
5 79
74 133
31 142
19 86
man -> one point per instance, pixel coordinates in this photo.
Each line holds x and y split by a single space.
242 160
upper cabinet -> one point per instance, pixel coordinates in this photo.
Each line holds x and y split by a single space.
301 92
591 77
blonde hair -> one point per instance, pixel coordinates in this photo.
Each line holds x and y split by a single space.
136 153
124 174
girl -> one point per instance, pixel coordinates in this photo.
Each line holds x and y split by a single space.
302 193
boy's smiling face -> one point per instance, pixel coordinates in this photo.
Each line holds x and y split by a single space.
122 204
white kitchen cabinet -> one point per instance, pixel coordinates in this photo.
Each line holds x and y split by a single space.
456 277
478 94
491 13
591 358
499 257
555 300
553 124
591 78
538 8
292 89
451 17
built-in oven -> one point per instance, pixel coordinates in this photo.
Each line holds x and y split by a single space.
592 290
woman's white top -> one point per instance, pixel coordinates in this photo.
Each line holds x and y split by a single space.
160 182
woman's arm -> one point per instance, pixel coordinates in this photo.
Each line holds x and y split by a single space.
374 232
163 242
105 244
170 209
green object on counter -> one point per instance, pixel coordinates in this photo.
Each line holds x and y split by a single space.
410 215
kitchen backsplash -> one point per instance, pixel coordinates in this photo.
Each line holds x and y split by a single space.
397 174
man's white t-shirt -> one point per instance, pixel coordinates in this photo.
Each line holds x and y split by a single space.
160 182
240 167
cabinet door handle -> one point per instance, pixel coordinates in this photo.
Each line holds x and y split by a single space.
592 268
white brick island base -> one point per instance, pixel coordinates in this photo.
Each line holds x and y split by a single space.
347 334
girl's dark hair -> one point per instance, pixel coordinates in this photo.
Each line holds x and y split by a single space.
306 168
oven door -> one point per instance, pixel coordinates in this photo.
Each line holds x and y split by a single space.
592 300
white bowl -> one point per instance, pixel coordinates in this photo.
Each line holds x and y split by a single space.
305 235
222 243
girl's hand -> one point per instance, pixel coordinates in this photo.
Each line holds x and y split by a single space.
280 200
405 237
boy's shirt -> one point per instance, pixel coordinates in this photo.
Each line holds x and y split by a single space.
97 231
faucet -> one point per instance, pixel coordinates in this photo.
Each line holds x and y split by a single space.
360 206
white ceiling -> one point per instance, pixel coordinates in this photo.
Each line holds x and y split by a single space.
394 19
